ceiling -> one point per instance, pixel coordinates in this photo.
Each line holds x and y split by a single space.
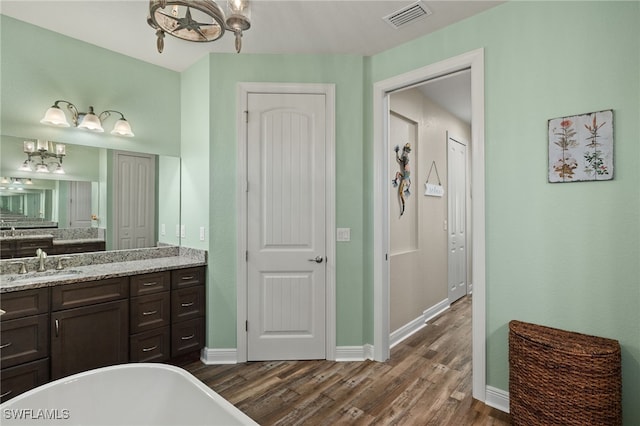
287 27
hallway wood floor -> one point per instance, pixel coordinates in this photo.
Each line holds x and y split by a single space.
427 381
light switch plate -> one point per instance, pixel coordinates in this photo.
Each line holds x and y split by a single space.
163 229
183 232
202 233
343 234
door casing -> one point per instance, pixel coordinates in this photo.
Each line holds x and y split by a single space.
243 89
381 90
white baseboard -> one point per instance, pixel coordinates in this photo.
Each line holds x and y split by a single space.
413 326
219 356
497 398
354 353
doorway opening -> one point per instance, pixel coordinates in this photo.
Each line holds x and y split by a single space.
429 215
475 62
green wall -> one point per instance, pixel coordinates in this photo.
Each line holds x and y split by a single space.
226 70
563 255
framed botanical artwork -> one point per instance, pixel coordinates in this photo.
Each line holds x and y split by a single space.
581 147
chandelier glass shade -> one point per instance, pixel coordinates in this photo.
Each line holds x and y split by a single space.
198 20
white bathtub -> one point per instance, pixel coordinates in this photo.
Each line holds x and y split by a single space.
128 394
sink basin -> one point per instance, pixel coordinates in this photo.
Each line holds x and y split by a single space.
39 277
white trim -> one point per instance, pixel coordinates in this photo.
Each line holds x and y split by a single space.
419 323
475 61
497 398
354 353
243 89
210 356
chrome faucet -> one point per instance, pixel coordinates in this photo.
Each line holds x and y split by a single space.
42 256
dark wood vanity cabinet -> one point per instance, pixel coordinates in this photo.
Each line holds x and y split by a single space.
24 341
77 247
89 325
150 317
187 310
49 333
24 247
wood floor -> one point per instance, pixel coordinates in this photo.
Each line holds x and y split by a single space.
427 381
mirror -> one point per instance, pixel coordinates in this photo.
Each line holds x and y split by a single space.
85 197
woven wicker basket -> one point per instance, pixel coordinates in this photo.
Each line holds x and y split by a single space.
558 377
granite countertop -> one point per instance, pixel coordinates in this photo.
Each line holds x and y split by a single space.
75 271
26 237
78 240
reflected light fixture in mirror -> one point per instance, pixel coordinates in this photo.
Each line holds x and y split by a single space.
55 116
45 150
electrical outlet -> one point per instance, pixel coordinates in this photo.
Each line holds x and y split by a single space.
202 233
183 232
163 229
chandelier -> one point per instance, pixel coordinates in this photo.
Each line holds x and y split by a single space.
47 158
198 20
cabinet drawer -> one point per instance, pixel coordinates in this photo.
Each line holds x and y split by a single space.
149 312
24 339
89 293
21 378
23 303
150 283
27 248
187 303
187 277
150 346
187 336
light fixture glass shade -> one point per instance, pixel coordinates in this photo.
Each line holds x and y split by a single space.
61 149
55 117
26 167
59 170
122 128
42 168
29 147
92 123
43 145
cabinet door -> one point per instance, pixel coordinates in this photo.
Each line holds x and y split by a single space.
89 337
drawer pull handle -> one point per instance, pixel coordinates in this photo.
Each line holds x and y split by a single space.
6 345
7 393
188 337
188 277
150 284
149 313
150 349
57 328
186 305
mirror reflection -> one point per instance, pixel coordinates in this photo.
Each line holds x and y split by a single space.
108 199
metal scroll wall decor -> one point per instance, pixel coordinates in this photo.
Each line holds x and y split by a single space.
402 181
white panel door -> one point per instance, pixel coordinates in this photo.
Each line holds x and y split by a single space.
286 226
79 204
134 200
457 218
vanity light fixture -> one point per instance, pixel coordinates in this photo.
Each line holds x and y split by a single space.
85 120
45 151
198 20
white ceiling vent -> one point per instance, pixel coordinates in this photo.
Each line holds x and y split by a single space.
407 14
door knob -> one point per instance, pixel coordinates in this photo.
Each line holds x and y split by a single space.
318 259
